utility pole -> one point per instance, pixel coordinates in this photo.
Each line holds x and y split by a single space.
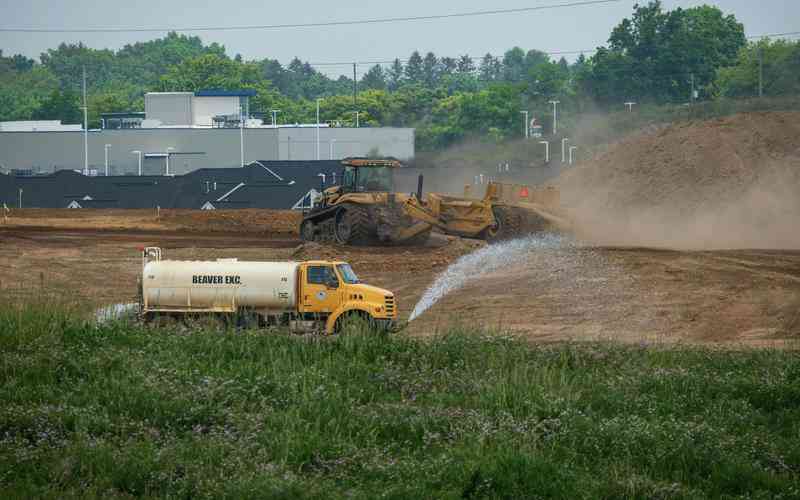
106 151
555 116
525 124
760 72
85 128
333 143
564 142
355 86
20 198
571 150
357 119
318 100
693 93
630 105
546 150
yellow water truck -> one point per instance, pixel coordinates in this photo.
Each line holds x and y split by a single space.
310 296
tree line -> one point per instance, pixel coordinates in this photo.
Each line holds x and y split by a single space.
655 56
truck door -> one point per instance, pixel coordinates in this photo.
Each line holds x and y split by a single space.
321 290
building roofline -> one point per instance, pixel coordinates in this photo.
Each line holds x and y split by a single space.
225 93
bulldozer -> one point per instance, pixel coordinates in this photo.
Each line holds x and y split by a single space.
365 209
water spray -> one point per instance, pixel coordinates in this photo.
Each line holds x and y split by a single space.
480 262
115 312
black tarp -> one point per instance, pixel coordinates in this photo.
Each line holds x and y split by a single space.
261 184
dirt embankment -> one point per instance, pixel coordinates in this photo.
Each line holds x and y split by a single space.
726 183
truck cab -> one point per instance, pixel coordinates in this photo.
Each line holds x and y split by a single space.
331 291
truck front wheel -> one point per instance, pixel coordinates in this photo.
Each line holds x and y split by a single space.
354 321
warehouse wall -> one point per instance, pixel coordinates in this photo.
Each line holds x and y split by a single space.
301 143
46 152
170 108
206 108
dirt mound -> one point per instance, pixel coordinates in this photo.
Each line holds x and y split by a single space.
726 183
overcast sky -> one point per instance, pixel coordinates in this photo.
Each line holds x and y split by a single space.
563 29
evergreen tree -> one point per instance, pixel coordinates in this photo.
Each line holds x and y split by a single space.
395 75
430 70
448 66
465 65
414 68
489 69
374 78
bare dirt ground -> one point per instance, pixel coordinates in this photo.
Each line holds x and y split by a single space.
634 295
694 193
559 293
269 223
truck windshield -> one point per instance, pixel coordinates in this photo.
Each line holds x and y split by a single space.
348 275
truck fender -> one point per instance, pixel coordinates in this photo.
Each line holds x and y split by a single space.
345 309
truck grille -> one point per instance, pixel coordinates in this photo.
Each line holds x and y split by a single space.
389 305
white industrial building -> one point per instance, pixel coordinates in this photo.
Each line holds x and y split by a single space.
183 131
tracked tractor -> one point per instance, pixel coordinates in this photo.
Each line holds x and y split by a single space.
366 210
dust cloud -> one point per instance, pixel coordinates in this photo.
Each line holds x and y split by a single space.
730 183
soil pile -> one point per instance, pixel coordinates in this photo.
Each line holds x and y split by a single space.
732 182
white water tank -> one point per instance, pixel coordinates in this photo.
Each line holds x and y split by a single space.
223 286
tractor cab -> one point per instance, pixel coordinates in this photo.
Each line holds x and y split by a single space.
362 175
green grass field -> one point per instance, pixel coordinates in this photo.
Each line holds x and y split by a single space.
121 410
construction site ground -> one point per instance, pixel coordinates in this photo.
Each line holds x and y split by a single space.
666 226
563 291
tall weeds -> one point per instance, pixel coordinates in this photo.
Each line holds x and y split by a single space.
122 410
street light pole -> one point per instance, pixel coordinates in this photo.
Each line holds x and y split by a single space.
106 151
546 150
564 142
275 116
571 149
555 116
85 128
140 160
241 135
318 100
760 72
630 105
357 125
525 123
